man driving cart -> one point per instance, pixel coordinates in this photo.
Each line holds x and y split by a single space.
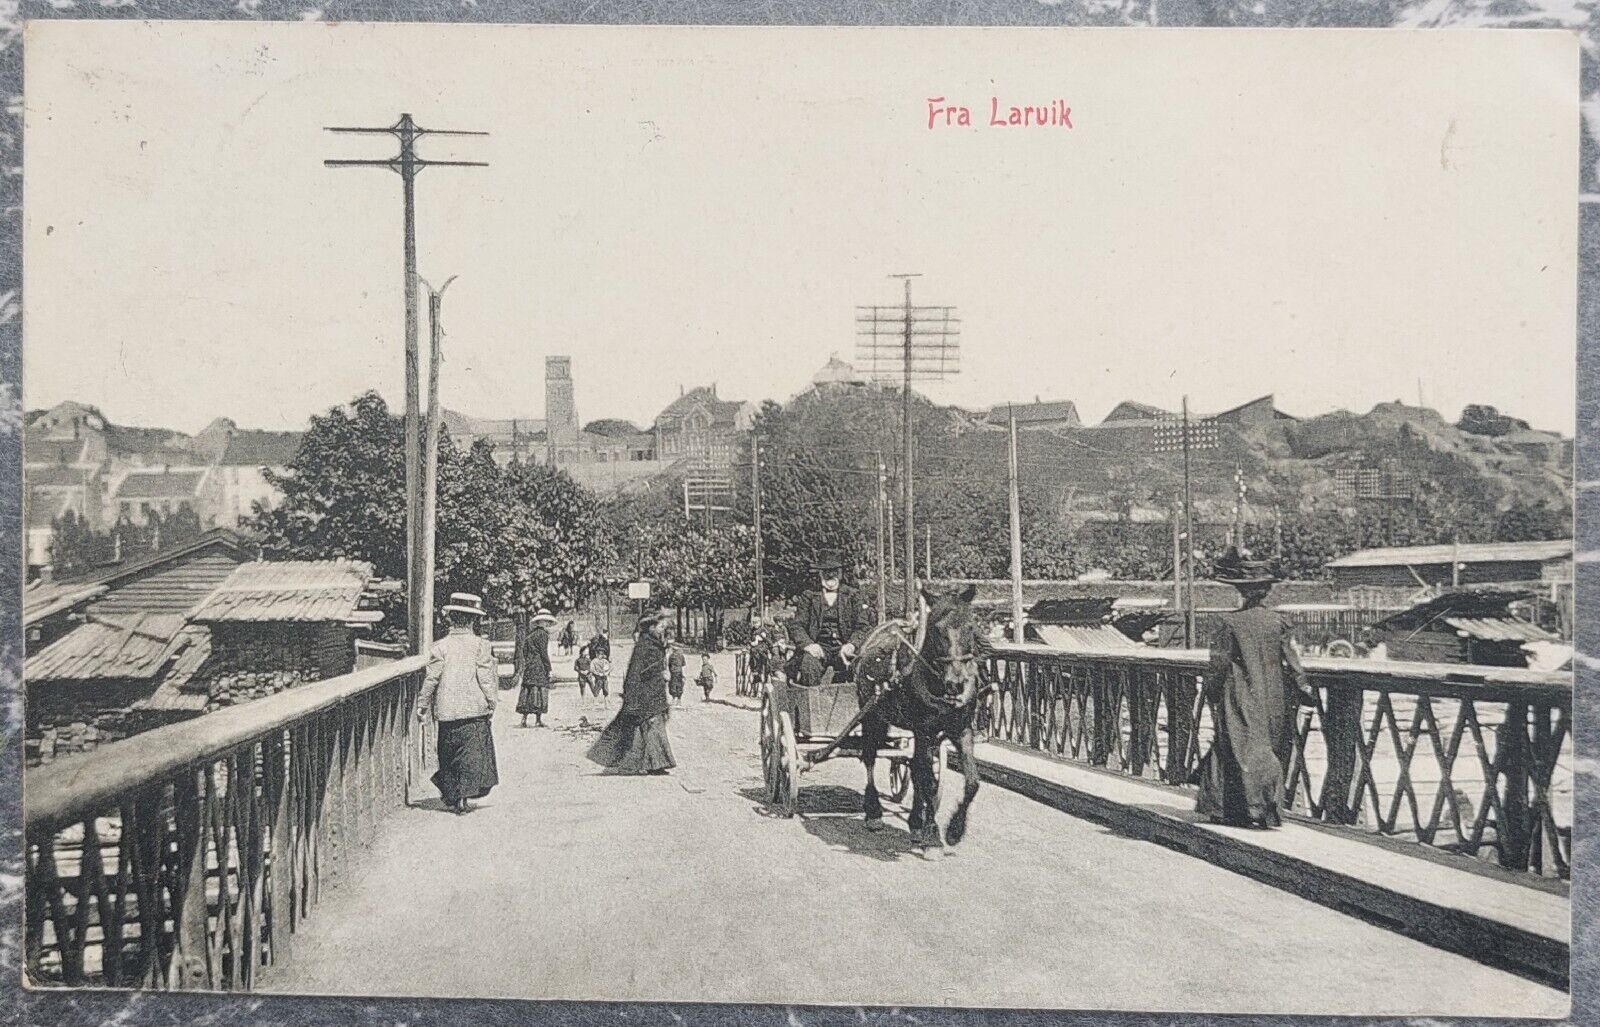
830 623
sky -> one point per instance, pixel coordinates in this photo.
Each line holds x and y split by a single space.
1337 218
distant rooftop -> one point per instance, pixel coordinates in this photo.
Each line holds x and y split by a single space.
160 484
251 448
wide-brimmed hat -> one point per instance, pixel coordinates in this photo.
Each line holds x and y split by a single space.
828 560
1234 568
465 602
649 617
544 615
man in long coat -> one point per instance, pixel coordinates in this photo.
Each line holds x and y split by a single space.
830 623
1255 683
459 689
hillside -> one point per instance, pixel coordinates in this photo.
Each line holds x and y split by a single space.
1100 497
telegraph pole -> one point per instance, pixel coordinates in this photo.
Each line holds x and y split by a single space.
927 552
1177 558
755 507
1182 434
1017 633
407 164
430 460
883 565
906 344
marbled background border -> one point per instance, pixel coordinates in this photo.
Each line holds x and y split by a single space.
137 1010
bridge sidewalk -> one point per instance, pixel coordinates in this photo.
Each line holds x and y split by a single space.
1472 910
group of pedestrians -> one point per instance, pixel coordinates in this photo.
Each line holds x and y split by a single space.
461 685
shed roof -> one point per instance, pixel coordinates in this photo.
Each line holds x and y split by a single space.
305 591
109 648
179 692
1500 629
1484 552
1083 638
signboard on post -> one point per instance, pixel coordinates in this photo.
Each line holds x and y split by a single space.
638 590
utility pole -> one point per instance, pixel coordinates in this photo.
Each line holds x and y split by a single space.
1181 434
927 552
906 344
407 164
430 458
883 566
907 496
1017 633
889 519
1177 558
1240 490
755 508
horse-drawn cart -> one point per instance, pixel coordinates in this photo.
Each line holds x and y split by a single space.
802 727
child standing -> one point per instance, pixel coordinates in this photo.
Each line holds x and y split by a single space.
581 666
675 675
707 676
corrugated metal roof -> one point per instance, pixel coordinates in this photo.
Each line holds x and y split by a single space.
1497 629
1084 639
106 648
1478 552
159 484
291 590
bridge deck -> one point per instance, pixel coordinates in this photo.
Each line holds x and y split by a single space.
567 884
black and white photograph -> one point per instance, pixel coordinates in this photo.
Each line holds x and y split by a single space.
885 517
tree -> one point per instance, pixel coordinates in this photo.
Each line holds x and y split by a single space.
522 536
1533 522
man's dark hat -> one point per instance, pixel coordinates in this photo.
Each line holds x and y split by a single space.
828 560
1234 568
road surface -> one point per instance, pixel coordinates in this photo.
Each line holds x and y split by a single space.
570 884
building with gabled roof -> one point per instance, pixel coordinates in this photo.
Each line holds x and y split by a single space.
1038 414
139 494
1260 410
701 426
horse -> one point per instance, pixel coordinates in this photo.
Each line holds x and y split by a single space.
932 691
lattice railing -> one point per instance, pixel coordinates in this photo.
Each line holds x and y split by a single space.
1475 760
185 857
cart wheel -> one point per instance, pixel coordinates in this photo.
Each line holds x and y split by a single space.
899 779
787 761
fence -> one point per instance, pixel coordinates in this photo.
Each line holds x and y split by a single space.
1476 760
186 857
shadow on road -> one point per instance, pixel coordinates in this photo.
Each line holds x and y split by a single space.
832 813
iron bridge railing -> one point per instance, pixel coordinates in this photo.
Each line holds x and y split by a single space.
186 857
1475 760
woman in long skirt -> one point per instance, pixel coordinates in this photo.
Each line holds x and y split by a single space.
459 689
635 742
535 664
1255 682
